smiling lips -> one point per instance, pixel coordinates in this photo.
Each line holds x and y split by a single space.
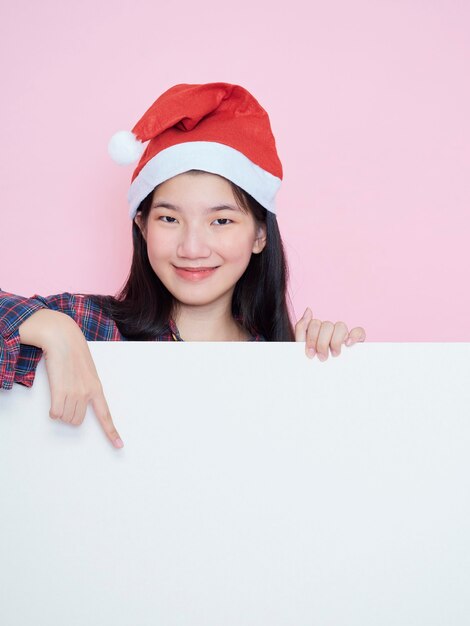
194 273
195 269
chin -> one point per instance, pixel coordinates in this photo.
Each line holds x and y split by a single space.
198 295
195 298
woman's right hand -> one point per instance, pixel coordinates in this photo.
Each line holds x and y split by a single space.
73 378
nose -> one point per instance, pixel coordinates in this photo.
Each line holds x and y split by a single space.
194 242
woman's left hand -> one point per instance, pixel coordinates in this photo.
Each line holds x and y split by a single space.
319 336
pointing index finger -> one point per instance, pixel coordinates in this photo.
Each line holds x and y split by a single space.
104 417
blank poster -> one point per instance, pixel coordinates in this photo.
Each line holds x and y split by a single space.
256 487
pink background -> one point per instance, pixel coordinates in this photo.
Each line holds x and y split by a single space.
369 103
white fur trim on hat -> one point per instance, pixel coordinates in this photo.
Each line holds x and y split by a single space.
209 156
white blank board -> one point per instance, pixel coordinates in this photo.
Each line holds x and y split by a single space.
256 487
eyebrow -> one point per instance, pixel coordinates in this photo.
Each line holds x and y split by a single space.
219 207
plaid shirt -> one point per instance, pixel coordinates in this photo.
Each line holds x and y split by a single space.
18 361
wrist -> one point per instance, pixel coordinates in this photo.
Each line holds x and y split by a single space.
45 328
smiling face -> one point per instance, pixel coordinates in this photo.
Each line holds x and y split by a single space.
196 222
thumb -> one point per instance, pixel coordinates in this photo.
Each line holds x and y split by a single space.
302 324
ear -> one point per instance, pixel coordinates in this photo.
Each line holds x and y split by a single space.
260 241
138 221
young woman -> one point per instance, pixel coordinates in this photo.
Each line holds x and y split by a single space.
208 261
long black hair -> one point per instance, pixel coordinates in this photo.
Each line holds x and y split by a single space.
143 307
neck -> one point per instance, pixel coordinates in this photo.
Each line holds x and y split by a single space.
208 323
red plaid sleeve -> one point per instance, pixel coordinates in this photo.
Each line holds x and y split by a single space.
18 361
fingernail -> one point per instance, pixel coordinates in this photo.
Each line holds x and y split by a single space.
311 352
322 357
118 443
348 342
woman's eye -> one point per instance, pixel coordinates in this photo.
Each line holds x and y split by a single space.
167 217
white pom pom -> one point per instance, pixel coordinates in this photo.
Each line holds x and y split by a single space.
125 148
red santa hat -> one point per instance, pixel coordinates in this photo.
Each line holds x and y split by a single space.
215 127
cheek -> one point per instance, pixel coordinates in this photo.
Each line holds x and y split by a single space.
238 247
159 247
